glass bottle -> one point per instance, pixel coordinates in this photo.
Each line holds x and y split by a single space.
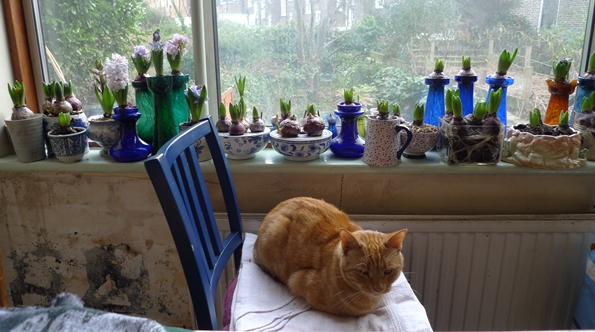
495 82
560 93
129 147
164 128
348 143
466 84
585 87
146 107
435 102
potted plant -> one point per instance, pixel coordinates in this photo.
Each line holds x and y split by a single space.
348 143
425 136
196 96
102 129
314 126
539 145
585 125
560 88
129 147
24 127
383 138
223 122
141 58
240 142
476 138
296 144
466 79
585 86
436 82
68 142
500 80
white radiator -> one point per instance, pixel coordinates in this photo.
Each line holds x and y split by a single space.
520 272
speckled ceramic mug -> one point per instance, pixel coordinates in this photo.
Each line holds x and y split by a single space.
383 142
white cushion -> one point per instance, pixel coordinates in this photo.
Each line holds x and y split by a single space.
261 303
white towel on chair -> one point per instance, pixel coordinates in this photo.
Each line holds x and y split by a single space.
262 304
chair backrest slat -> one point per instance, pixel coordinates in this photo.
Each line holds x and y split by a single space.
178 180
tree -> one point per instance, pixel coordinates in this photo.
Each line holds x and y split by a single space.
79 31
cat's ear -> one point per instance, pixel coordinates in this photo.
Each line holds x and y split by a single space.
395 240
348 241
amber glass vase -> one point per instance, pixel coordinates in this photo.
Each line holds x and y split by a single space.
560 92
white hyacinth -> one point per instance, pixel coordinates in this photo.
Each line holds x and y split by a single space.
116 71
177 44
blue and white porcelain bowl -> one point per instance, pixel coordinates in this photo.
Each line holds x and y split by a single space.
302 147
244 146
70 148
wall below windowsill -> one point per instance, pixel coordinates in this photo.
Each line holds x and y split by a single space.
416 187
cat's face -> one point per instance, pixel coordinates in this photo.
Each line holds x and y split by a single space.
371 261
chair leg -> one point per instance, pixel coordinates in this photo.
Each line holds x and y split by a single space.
3 292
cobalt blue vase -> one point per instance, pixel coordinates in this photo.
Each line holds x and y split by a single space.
585 87
466 84
129 147
502 82
348 143
435 103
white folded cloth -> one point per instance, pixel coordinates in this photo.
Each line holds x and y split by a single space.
262 304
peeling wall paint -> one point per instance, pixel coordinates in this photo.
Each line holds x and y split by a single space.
100 236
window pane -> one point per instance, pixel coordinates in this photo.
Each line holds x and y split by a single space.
308 51
77 32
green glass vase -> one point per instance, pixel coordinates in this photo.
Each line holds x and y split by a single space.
181 110
146 107
164 127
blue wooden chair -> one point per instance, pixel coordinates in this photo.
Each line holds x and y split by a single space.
179 183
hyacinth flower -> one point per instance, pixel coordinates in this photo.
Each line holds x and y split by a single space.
418 114
284 108
157 53
141 58
560 90
236 128
116 70
175 48
240 84
383 109
348 96
196 95
17 94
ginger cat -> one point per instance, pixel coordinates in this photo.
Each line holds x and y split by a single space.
323 256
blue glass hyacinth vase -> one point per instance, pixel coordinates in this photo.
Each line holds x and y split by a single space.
466 84
129 147
585 87
502 82
435 102
348 143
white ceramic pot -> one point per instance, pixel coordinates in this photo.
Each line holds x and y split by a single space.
302 147
70 148
383 142
27 138
104 131
542 151
244 146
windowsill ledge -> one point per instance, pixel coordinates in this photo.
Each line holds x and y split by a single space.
269 161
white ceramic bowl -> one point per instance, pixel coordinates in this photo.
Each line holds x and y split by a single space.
421 143
244 146
302 147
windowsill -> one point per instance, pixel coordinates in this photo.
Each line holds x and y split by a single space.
269 161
